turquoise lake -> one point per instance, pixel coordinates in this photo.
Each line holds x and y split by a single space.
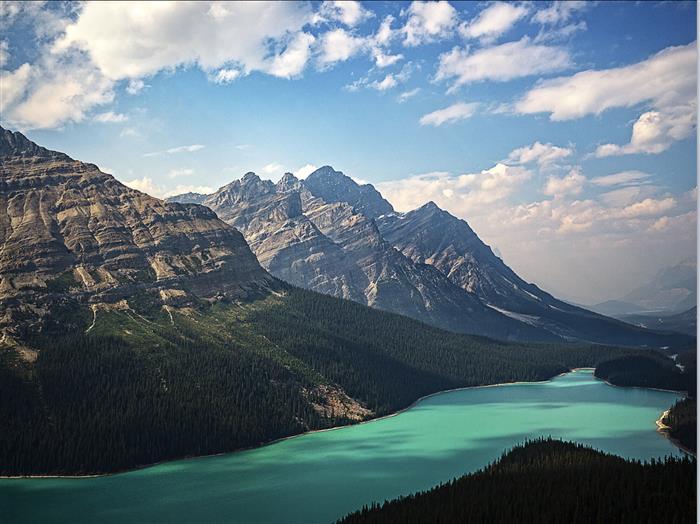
320 477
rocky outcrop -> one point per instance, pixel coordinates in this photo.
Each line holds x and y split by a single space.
69 230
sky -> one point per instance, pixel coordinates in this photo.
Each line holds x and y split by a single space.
563 132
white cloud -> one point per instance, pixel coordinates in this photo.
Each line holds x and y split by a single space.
134 87
548 34
559 12
383 60
385 33
571 184
654 132
339 45
305 171
291 62
621 178
147 185
224 75
53 91
110 117
176 173
666 79
501 63
273 168
450 114
175 150
4 52
348 12
133 40
461 194
388 82
648 207
407 95
494 21
428 21
543 154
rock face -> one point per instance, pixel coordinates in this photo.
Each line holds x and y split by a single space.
332 248
66 226
329 234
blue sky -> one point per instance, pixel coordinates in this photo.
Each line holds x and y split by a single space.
563 132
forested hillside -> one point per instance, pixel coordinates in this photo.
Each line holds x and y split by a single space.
550 481
149 383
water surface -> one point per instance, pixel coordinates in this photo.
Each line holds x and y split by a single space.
320 477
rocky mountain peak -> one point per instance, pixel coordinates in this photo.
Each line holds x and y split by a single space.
288 183
334 186
14 143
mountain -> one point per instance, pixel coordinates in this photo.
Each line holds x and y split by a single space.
135 331
673 289
685 322
433 236
305 234
329 234
67 227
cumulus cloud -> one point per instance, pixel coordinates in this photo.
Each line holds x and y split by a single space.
134 87
501 63
655 131
175 150
428 21
273 168
133 40
570 184
450 114
621 178
543 154
387 82
667 79
348 12
83 54
224 75
338 46
461 194
494 21
305 171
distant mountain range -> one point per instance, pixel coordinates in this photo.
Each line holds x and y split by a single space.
673 290
330 234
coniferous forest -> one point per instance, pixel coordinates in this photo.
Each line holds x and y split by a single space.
141 388
550 481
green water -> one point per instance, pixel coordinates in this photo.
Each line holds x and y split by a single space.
322 476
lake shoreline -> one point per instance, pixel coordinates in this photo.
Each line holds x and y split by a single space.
334 428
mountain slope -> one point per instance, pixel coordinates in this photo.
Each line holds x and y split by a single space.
135 331
65 224
432 236
673 289
330 247
344 239
685 322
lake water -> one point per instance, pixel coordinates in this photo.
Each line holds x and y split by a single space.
320 477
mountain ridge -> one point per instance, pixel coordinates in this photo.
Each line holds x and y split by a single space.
437 251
